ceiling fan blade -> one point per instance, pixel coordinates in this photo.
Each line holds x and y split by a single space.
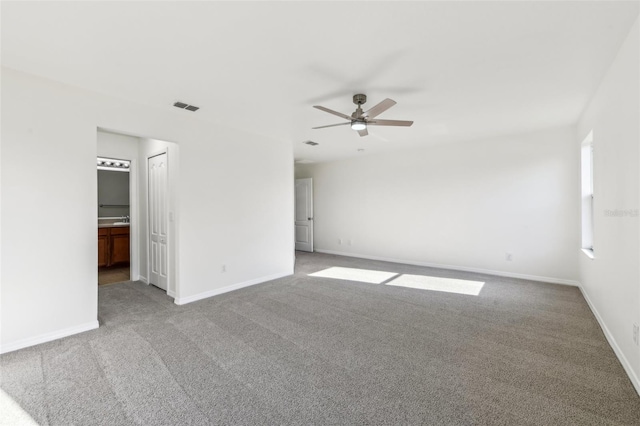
331 125
380 108
390 123
363 132
330 111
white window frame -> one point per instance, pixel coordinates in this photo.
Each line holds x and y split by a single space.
587 193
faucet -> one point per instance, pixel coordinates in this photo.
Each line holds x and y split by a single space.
128 219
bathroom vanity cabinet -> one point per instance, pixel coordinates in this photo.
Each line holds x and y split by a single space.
113 245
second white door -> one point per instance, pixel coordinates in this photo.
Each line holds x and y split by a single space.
158 220
304 215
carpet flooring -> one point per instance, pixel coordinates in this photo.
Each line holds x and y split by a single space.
317 350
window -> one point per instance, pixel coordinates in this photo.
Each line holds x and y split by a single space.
587 194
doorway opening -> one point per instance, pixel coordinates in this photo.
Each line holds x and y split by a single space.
143 262
114 220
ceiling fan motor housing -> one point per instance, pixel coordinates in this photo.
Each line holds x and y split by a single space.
359 99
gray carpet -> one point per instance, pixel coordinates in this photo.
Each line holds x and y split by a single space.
309 350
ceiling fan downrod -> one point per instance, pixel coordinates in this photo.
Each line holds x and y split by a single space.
358 99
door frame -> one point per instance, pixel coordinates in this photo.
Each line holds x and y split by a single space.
140 223
170 244
134 222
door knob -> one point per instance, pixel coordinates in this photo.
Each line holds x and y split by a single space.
309 218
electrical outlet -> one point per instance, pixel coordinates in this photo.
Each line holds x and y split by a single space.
636 332
508 257
224 268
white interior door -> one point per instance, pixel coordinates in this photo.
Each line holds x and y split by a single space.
158 220
304 214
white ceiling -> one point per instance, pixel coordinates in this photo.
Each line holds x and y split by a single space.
460 70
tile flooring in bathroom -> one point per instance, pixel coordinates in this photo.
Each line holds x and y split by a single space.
113 275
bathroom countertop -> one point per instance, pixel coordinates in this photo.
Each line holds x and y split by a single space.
112 222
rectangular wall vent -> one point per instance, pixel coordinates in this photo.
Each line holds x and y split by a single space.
188 107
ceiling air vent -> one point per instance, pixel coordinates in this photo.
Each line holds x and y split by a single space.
182 105
312 143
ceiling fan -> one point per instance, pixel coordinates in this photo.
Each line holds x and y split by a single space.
359 120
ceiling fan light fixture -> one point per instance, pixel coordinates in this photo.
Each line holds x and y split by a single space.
358 125
359 120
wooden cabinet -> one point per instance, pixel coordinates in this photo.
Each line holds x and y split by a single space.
113 246
103 247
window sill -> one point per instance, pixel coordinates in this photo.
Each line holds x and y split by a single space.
589 253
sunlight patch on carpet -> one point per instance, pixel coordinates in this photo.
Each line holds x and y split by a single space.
11 413
449 285
354 274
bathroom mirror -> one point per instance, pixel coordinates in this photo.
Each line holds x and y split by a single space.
113 188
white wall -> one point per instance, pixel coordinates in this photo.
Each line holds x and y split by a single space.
236 195
236 203
462 205
115 145
49 273
611 281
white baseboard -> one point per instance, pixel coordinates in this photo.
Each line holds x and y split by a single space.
171 293
217 291
143 279
47 337
612 342
458 268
